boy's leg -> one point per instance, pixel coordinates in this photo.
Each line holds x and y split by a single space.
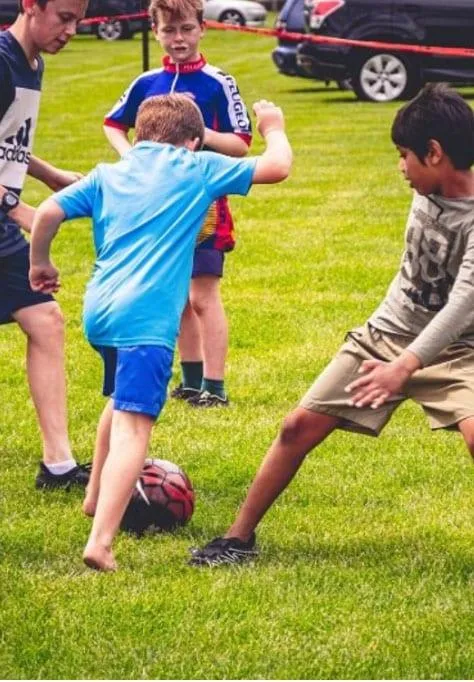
302 430
466 427
189 340
101 450
324 407
190 352
204 334
130 435
44 327
40 318
206 302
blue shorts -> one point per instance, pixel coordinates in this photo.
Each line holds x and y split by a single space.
208 262
15 290
136 377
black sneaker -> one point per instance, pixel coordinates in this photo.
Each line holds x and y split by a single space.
77 476
222 551
206 399
184 392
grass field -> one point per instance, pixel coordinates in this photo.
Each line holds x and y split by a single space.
366 567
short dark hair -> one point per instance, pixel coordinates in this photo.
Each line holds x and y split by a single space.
437 113
41 3
174 119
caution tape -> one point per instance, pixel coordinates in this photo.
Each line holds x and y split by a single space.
330 40
305 37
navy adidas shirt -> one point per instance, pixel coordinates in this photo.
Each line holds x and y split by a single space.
20 88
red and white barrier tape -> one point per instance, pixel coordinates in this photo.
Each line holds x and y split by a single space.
307 37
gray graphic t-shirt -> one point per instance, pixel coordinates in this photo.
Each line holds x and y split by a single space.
432 296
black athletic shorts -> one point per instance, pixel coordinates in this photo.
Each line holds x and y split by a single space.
15 290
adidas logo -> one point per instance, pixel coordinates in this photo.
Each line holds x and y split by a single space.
15 147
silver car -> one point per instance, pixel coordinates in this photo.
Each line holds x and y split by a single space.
241 12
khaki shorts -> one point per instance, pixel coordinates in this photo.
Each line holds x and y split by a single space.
444 389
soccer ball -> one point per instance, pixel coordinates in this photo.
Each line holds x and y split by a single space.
163 498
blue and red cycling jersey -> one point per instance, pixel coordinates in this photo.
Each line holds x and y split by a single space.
217 96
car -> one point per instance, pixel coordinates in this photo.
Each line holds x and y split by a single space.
240 12
382 74
113 29
292 19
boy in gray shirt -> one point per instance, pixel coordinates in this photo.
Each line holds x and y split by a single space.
418 344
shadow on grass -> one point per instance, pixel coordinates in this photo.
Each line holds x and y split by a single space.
424 553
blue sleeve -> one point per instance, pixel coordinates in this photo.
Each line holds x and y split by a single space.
124 112
77 200
226 175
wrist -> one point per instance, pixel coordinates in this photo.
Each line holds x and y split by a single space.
265 133
408 363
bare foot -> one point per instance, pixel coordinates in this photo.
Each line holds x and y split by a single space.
99 558
90 503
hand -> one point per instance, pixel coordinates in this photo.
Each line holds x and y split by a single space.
44 278
381 381
62 178
269 117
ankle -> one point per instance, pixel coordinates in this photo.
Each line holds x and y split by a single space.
192 374
213 386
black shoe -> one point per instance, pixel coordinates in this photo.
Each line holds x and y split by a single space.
206 399
222 551
184 392
77 476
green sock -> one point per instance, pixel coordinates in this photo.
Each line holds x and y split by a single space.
192 374
214 386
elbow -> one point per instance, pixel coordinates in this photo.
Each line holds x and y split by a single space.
241 149
282 170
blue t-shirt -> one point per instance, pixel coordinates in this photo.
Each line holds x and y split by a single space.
147 210
20 90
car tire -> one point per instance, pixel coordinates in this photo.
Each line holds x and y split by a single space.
232 16
113 30
384 77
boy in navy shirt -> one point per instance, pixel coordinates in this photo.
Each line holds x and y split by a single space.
42 26
147 210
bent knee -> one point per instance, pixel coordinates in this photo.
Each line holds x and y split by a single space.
45 322
294 427
470 444
304 428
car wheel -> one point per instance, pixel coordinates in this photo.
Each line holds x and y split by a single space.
232 16
113 30
384 77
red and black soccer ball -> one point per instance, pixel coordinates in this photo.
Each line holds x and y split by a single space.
163 499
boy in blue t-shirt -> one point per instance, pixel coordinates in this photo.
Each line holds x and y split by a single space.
147 210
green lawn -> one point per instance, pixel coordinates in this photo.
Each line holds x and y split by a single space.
366 567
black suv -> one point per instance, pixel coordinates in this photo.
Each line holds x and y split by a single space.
108 30
384 75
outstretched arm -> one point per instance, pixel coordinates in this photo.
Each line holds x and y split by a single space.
274 164
43 275
54 178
